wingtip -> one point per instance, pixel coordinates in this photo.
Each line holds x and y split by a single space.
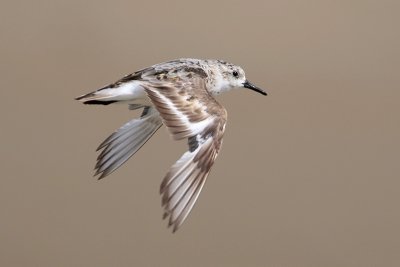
102 174
165 215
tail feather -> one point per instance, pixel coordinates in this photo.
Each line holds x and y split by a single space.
96 98
99 102
128 91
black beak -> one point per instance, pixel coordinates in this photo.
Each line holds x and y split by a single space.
251 86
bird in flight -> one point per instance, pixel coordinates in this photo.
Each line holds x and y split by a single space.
179 94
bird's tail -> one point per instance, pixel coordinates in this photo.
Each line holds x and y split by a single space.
114 93
99 97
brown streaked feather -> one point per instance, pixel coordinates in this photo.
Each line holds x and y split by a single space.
184 103
184 181
188 111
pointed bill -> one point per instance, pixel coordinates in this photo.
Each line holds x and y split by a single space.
251 86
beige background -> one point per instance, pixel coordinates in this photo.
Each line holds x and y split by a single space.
308 176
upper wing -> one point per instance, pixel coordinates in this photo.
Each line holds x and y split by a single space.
190 112
185 106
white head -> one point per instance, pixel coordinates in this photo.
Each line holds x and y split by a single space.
229 76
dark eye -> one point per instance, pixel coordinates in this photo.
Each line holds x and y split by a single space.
235 73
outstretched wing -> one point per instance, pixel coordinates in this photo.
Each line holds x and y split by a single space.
188 111
126 141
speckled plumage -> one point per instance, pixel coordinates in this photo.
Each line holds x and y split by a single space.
178 94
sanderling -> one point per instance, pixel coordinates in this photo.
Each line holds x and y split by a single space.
178 94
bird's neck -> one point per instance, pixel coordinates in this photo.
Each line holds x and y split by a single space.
219 86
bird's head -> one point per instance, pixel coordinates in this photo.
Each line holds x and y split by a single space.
232 76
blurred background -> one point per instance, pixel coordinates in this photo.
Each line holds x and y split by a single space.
307 176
